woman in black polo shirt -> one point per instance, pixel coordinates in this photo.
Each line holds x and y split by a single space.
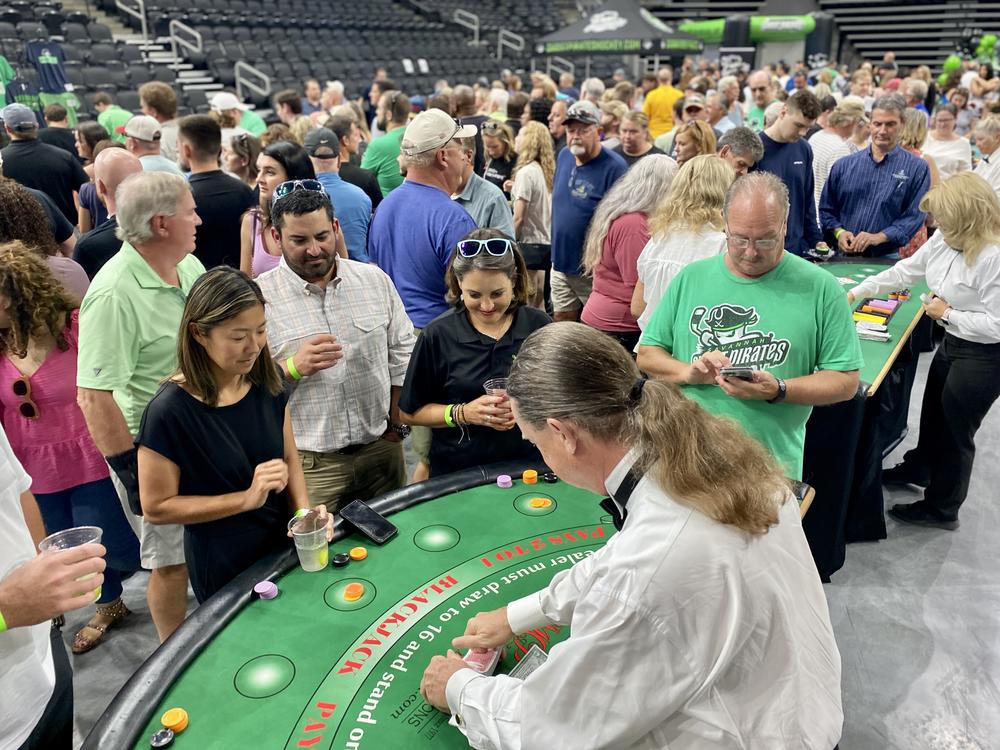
461 349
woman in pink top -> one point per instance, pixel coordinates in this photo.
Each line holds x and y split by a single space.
618 233
46 429
278 163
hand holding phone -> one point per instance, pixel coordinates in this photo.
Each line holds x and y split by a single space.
742 373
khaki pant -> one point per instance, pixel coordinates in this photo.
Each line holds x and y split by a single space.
160 545
334 479
569 293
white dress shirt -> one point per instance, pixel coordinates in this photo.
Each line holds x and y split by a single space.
686 634
972 291
989 169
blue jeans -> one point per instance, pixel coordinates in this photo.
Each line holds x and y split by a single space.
95 504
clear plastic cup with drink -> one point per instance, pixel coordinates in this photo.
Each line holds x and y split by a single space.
498 387
309 533
69 538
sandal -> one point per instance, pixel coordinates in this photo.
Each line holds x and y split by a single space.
116 611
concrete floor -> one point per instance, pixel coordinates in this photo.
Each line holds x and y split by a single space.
917 618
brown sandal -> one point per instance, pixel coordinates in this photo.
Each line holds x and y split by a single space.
116 610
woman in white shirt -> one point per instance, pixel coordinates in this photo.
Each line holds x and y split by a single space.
951 152
701 624
687 226
961 264
531 196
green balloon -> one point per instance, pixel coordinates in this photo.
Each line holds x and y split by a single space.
953 63
942 80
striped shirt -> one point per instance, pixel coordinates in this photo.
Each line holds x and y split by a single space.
346 404
827 148
863 195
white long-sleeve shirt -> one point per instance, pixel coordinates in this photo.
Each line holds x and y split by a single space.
972 291
686 634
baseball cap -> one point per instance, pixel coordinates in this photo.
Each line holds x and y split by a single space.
18 118
694 100
142 128
224 101
431 130
585 112
322 143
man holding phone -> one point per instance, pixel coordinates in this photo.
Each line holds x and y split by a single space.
756 334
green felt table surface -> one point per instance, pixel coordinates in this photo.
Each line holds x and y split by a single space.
309 669
879 355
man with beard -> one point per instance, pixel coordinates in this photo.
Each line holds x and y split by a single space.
392 114
338 331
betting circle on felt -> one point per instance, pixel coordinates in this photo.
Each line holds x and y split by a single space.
312 670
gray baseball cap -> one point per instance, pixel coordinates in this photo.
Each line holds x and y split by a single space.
18 118
585 112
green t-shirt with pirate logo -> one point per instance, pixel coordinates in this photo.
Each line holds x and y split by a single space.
792 321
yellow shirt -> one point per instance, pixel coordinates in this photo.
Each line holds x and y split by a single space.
659 108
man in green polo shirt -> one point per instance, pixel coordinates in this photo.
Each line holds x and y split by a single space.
110 116
761 308
129 321
382 154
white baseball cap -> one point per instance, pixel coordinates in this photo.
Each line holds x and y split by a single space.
142 128
224 101
431 130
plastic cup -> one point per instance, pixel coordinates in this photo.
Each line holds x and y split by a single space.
496 387
309 533
69 538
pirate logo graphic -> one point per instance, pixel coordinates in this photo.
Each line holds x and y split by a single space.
730 329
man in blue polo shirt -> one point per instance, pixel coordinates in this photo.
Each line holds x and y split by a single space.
418 225
788 155
585 171
871 201
353 207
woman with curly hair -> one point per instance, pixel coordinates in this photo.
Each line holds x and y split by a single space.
531 193
39 326
23 218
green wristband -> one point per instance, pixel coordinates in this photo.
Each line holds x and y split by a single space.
447 415
838 232
290 364
3 623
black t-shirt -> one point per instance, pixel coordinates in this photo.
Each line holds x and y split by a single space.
46 168
61 229
97 247
364 179
449 365
217 450
477 120
630 160
221 200
63 138
498 171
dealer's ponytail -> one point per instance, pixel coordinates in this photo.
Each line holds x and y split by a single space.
571 372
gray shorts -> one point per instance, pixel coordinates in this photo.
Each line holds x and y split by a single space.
159 545
569 293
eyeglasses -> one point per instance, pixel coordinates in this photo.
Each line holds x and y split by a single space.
496 247
765 245
27 407
287 188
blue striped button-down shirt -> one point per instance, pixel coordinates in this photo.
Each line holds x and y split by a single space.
863 195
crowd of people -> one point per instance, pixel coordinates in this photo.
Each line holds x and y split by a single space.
209 323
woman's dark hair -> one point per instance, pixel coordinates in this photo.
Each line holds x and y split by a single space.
91 133
38 301
247 147
293 158
216 297
511 264
22 218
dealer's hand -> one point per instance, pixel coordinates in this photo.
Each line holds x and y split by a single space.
317 353
705 369
490 411
864 240
436 676
763 387
486 630
936 309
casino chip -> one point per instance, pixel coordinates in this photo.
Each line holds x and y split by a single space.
530 476
175 719
550 477
540 502
162 738
341 559
353 592
505 482
358 553
266 590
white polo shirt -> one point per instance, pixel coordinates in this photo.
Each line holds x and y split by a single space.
27 675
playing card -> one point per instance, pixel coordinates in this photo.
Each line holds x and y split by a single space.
484 662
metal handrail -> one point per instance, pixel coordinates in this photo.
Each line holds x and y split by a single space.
139 11
469 21
197 46
241 81
561 65
507 38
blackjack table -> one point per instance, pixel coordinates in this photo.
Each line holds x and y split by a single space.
846 442
314 668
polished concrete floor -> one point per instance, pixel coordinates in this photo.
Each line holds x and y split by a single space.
917 618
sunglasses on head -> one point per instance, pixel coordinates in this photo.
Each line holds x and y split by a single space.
496 246
287 188
491 127
27 407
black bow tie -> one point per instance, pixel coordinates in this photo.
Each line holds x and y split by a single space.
618 507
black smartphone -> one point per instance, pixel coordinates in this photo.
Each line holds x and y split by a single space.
369 522
743 373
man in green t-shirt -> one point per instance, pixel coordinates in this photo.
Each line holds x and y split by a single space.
382 154
129 322
762 91
761 308
110 116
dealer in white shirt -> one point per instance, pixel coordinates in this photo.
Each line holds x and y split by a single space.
988 141
701 624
